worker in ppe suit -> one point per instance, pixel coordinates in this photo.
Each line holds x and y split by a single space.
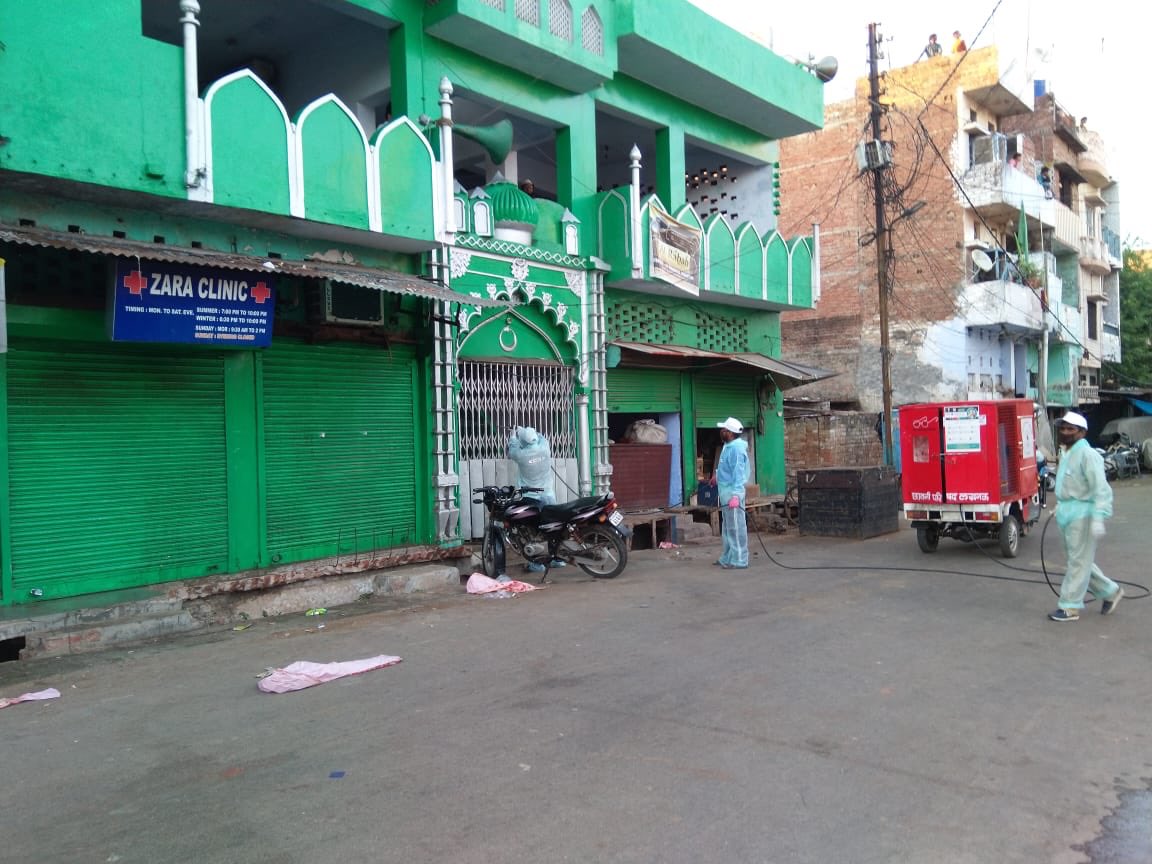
1083 502
731 475
533 457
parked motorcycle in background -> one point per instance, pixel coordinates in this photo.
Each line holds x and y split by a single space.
589 532
1045 478
1121 459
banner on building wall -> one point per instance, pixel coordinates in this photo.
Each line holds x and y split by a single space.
153 301
674 251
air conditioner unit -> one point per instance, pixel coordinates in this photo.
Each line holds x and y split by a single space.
341 303
871 155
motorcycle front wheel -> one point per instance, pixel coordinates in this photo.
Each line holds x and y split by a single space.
492 554
607 546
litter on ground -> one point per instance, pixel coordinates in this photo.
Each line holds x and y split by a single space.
50 693
303 673
504 587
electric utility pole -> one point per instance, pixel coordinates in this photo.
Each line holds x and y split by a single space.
882 253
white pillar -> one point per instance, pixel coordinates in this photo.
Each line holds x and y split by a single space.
193 140
584 445
3 311
447 162
637 262
817 283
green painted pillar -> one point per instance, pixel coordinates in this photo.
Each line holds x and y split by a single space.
408 97
770 447
576 171
687 434
244 443
670 167
5 498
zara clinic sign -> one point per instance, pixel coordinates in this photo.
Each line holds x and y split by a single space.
153 301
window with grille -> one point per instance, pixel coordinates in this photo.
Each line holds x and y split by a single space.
726 335
528 11
38 276
495 4
592 32
641 322
560 19
496 397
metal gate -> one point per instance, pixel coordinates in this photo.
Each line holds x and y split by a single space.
495 398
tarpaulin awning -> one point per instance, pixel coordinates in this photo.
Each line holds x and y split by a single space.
785 373
1145 407
351 274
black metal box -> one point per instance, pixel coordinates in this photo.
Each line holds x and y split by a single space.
849 502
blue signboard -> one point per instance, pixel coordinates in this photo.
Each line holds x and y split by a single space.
153 301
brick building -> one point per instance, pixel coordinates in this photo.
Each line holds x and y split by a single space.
970 143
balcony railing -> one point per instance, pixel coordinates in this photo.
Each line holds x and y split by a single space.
1110 346
1087 393
997 189
1093 162
1000 302
1065 323
1068 227
681 254
1112 244
1094 255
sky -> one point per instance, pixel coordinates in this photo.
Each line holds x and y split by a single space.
1089 53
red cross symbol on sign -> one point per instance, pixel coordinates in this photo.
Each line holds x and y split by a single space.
135 282
260 292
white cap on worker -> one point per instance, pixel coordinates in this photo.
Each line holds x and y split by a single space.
732 425
1074 419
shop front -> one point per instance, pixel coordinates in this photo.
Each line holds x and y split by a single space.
155 429
688 392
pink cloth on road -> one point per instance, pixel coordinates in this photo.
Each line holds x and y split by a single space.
50 693
303 674
478 583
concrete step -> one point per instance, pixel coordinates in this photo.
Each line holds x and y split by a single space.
98 621
110 633
91 609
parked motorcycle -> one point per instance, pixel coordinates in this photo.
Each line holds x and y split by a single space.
588 532
1045 478
1121 459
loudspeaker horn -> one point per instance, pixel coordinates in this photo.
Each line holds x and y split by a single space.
495 139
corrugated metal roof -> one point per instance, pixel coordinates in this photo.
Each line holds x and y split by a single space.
381 280
785 373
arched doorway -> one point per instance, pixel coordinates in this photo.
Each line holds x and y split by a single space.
512 371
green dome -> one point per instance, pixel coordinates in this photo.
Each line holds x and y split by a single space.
511 206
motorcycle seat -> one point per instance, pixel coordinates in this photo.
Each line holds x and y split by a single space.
554 512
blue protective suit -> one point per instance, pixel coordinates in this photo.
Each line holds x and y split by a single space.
533 457
732 473
1083 496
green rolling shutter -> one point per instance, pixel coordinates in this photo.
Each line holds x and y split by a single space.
117 468
339 449
721 396
632 390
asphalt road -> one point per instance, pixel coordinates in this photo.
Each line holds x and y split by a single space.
872 712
